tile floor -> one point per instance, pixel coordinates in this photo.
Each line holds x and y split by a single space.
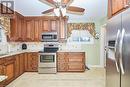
91 78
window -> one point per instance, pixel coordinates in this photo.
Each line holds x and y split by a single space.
81 37
0 35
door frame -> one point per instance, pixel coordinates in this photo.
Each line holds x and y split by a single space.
102 46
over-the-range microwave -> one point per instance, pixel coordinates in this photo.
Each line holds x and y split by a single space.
49 37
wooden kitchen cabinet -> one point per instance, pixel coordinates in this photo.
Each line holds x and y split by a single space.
19 64
116 6
71 61
31 62
30 29
9 69
62 30
17 28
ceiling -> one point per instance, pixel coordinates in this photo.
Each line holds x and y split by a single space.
94 9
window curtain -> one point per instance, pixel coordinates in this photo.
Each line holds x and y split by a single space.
5 24
81 26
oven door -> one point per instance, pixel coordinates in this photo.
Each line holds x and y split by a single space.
47 60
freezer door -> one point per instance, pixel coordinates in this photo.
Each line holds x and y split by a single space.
113 25
112 62
125 77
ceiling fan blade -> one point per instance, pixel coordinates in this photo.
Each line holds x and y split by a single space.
48 11
49 2
67 2
75 10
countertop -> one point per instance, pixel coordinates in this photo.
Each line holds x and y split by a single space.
3 77
25 51
18 52
70 50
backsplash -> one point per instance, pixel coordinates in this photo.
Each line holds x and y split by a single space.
3 48
34 46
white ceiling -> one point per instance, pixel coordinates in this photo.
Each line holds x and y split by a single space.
94 9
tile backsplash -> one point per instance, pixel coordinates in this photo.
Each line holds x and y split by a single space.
34 46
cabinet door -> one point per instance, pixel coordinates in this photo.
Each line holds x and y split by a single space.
19 28
21 63
16 28
117 5
62 30
54 25
76 66
46 25
32 62
29 30
62 62
9 69
37 29
17 66
62 67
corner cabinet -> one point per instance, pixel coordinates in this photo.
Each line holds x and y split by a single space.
71 61
9 69
117 6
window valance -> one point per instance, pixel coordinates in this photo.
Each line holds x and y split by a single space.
5 24
81 26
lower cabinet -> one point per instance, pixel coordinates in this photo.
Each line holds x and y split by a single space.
9 69
71 61
16 65
31 62
19 64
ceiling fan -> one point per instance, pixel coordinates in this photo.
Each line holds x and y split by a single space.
61 7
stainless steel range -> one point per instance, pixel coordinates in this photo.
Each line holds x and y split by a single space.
47 59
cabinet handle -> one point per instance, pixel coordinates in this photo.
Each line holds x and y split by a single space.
127 5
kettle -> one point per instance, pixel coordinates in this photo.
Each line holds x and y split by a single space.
24 46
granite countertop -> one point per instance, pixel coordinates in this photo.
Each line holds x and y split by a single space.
3 77
70 50
18 52
25 51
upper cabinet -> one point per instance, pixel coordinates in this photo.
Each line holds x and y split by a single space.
62 31
117 6
29 29
17 26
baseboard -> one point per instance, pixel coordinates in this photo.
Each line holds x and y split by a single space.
98 66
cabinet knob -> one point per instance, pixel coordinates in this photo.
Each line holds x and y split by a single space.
126 6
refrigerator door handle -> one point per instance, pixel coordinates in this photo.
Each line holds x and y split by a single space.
116 44
120 50
117 67
116 48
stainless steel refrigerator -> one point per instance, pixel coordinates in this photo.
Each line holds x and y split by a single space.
118 51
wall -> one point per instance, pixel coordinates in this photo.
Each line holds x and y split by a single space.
92 50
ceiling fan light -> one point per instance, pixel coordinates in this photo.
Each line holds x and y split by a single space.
57 0
63 11
56 11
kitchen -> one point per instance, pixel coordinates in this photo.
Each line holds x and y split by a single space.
56 43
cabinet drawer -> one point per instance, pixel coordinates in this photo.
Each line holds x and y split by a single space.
76 67
77 55
76 59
